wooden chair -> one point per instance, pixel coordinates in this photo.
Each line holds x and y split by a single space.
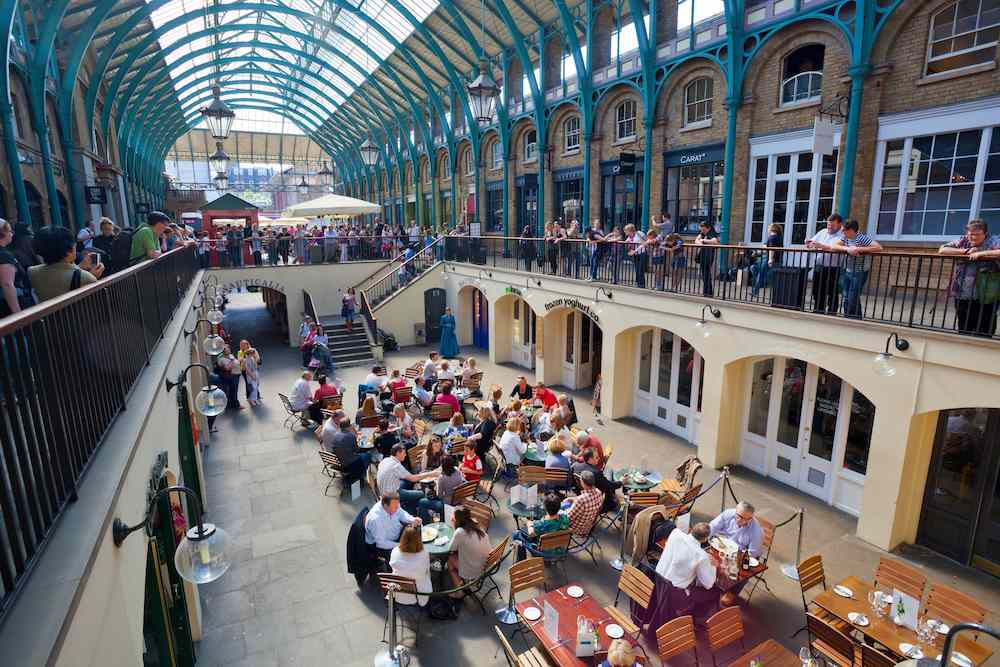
640 500
811 575
402 395
524 575
473 384
533 657
557 478
951 606
767 528
441 412
405 585
637 587
463 492
413 372
688 499
480 512
873 658
373 484
553 548
332 468
415 456
420 428
829 642
370 421
676 637
892 574
609 449
457 447
724 628
333 403
528 475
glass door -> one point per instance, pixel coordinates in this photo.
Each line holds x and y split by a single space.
570 351
819 435
986 550
669 379
783 460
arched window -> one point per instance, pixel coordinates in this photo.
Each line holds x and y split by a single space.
445 168
496 156
963 34
625 120
467 164
802 75
427 172
571 134
698 101
530 146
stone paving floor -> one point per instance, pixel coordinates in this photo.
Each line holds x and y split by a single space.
288 599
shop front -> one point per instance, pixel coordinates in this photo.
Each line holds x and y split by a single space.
669 383
523 334
961 510
692 186
807 428
494 207
444 209
621 193
567 196
526 187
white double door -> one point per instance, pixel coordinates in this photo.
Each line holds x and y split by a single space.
796 424
581 350
668 384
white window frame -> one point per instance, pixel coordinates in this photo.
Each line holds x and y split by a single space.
496 156
622 122
951 54
568 148
688 103
446 169
530 153
978 114
770 148
467 164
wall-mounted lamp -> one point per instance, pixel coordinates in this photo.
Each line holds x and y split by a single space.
883 364
213 343
210 401
596 303
527 285
201 556
483 272
703 324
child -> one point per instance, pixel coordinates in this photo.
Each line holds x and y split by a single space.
472 465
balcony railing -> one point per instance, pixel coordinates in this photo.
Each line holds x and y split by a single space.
67 368
220 253
922 291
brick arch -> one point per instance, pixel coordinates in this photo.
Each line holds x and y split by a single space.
486 142
441 158
900 22
559 115
423 167
673 88
605 116
517 134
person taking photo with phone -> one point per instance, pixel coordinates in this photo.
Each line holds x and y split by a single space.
59 273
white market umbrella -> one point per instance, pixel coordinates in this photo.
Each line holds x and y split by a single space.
331 205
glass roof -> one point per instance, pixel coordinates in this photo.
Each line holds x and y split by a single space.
277 56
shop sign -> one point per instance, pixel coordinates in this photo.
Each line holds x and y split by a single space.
96 194
253 282
695 155
575 304
512 290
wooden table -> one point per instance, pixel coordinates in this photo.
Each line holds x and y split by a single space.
884 631
771 654
564 654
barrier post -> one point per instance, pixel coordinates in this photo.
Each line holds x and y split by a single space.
508 615
725 485
394 655
791 570
619 563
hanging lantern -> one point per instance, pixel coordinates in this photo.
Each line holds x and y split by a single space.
369 153
218 115
221 181
484 93
219 160
303 187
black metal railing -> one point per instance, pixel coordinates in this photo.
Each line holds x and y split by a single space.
918 290
396 276
67 368
308 307
285 250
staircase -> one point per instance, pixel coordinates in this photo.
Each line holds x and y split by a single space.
349 348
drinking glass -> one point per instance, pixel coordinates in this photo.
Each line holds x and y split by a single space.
873 600
805 655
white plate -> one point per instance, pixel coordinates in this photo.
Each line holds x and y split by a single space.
614 631
428 534
942 629
843 591
858 619
911 651
754 562
574 592
959 659
532 613
441 541
723 544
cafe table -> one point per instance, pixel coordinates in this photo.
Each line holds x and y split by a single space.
884 631
770 654
443 529
723 582
562 649
521 511
626 477
535 454
366 438
440 428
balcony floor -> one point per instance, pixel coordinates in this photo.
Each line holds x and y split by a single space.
288 599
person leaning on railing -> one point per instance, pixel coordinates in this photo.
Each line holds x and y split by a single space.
975 283
59 273
856 268
15 283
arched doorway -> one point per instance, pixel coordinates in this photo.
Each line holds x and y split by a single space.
473 318
523 334
581 344
36 209
961 510
668 385
808 428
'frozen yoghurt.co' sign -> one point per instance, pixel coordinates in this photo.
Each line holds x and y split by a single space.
573 303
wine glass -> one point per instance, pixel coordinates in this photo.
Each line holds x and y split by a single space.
805 655
873 600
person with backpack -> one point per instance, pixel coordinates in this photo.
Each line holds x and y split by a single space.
59 273
143 243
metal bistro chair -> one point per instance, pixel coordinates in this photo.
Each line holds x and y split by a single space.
333 469
405 585
724 628
767 528
637 587
413 372
528 475
811 575
293 416
415 455
403 395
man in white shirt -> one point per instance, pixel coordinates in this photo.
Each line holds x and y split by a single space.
827 265
385 522
414 232
431 371
392 475
301 396
689 570
376 381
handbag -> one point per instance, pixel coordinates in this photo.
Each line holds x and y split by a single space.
988 287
